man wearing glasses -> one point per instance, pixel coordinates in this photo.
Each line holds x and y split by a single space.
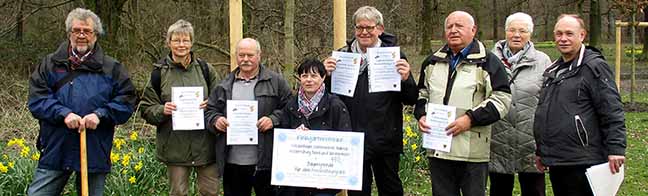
378 115
74 89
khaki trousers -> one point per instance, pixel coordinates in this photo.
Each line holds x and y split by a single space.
207 179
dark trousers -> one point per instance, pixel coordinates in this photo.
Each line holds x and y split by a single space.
238 180
570 180
449 178
531 184
385 169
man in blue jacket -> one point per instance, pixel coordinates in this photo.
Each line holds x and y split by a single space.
74 89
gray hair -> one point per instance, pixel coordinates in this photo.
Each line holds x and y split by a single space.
520 16
471 20
180 27
258 46
368 13
83 14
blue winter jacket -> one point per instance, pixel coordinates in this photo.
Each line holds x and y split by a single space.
103 87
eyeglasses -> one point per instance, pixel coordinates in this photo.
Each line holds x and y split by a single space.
521 31
369 29
178 41
86 32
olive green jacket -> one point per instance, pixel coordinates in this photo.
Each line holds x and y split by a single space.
184 148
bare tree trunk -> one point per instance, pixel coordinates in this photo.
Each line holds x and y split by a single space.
495 21
429 8
644 54
289 37
595 23
20 22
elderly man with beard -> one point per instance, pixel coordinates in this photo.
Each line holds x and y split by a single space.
77 87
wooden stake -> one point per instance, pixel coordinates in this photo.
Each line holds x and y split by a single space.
84 163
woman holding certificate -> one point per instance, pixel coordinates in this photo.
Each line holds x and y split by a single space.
313 108
174 101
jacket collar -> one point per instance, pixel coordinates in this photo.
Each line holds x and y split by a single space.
387 40
525 60
94 63
477 53
585 55
167 62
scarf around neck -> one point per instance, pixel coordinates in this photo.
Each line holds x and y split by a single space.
513 59
308 106
76 59
355 48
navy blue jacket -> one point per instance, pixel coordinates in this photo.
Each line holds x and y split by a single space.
103 88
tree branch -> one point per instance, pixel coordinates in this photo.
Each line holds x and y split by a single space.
13 26
215 47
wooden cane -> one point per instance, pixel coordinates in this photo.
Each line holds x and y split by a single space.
84 164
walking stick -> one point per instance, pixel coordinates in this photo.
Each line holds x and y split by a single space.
84 164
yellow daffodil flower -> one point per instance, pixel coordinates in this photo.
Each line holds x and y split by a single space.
5 157
114 157
11 164
132 179
126 160
35 156
418 158
3 168
414 146
118 143
140 150
133 135
139 166
25 151
404 141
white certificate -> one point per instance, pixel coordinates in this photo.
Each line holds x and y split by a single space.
438 117
345 76
318 159
242 117
188 115
383 75
602 181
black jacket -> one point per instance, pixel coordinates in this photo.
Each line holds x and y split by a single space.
579 119
331 114
271 92
379 115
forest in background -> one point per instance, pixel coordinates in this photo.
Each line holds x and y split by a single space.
135 29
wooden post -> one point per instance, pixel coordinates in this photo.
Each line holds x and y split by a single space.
632 52
339 35
617 59
236 28
84 163
339 23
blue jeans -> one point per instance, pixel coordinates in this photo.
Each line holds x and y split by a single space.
52 182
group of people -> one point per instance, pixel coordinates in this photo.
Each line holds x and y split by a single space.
517 112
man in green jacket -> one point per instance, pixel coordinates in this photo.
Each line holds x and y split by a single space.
181 150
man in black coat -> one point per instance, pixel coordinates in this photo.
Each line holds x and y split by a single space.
579 121
378 115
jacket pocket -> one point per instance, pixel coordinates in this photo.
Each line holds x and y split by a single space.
581 131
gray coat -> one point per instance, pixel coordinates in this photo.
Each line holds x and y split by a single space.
513 146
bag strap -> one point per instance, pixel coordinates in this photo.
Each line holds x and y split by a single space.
156 77
67 78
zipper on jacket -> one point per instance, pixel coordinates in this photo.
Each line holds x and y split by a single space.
578 120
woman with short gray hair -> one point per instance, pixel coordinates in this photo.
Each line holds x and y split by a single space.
513 145
182 150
